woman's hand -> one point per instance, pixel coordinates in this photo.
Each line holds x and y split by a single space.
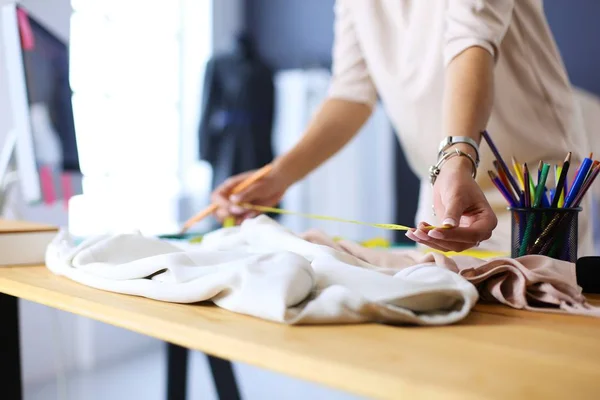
268 191
459 203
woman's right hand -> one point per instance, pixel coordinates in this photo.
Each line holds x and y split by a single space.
268 192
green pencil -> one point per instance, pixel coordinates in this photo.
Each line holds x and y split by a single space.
539 192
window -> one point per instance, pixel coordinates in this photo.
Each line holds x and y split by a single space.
136 74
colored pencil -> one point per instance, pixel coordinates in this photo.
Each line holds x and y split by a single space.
578 181
564 169
498 183
539 190
496 153
552 229
527 179
594 163
586 186
561 200
502 176
543 247
261 173
545 198
518 172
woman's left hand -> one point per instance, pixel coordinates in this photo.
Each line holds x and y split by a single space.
460 204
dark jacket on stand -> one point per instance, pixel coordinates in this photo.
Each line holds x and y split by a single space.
237 113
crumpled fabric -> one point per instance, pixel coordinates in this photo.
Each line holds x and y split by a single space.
266 271
535 283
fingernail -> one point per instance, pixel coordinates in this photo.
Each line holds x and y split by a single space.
236 210
436 234
449 222
234 198
421 235
410 235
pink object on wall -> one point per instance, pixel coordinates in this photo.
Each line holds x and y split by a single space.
47 185
27 38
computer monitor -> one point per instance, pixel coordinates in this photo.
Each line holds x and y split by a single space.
40 96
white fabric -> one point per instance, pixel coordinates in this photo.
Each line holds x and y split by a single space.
262 269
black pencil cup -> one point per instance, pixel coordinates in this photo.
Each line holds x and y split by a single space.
546 231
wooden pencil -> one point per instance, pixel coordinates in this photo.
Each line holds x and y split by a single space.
494 149
504 190
518 172
261 173
527 179
561 181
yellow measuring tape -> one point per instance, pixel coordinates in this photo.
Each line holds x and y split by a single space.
394 227
372 243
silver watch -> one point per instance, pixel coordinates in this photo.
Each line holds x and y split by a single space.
452 140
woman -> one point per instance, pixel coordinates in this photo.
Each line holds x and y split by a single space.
445 70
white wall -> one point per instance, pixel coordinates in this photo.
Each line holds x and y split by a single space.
5 121
228 20
51 339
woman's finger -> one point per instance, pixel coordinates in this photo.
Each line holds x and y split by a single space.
220 195
221 214
478 231
423 234
413 237
445 244
254 192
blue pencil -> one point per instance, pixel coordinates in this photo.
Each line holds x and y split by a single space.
494 149
507 195
578 181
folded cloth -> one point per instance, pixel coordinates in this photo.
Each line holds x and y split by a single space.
536 283
262 269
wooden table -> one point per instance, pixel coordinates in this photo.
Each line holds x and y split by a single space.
496 353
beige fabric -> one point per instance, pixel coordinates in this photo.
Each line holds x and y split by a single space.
534 283
398 49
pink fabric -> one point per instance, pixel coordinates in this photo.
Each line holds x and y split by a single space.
535 283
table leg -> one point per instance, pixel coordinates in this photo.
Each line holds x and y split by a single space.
224 378
10 350
177 370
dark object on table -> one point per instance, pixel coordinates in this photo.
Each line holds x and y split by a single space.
587 270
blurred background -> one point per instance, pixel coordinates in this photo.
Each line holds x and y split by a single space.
150 83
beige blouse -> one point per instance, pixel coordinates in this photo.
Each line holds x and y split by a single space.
397 50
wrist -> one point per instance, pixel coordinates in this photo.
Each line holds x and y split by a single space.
465 148
454 161
285 170
465 144
459 164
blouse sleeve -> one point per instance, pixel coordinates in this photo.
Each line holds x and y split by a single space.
350 76
481 23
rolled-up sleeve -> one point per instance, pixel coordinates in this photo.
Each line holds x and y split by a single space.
350 76
480 23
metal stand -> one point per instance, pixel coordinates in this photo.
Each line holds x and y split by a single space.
8 176
177 372
224 378
10 350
